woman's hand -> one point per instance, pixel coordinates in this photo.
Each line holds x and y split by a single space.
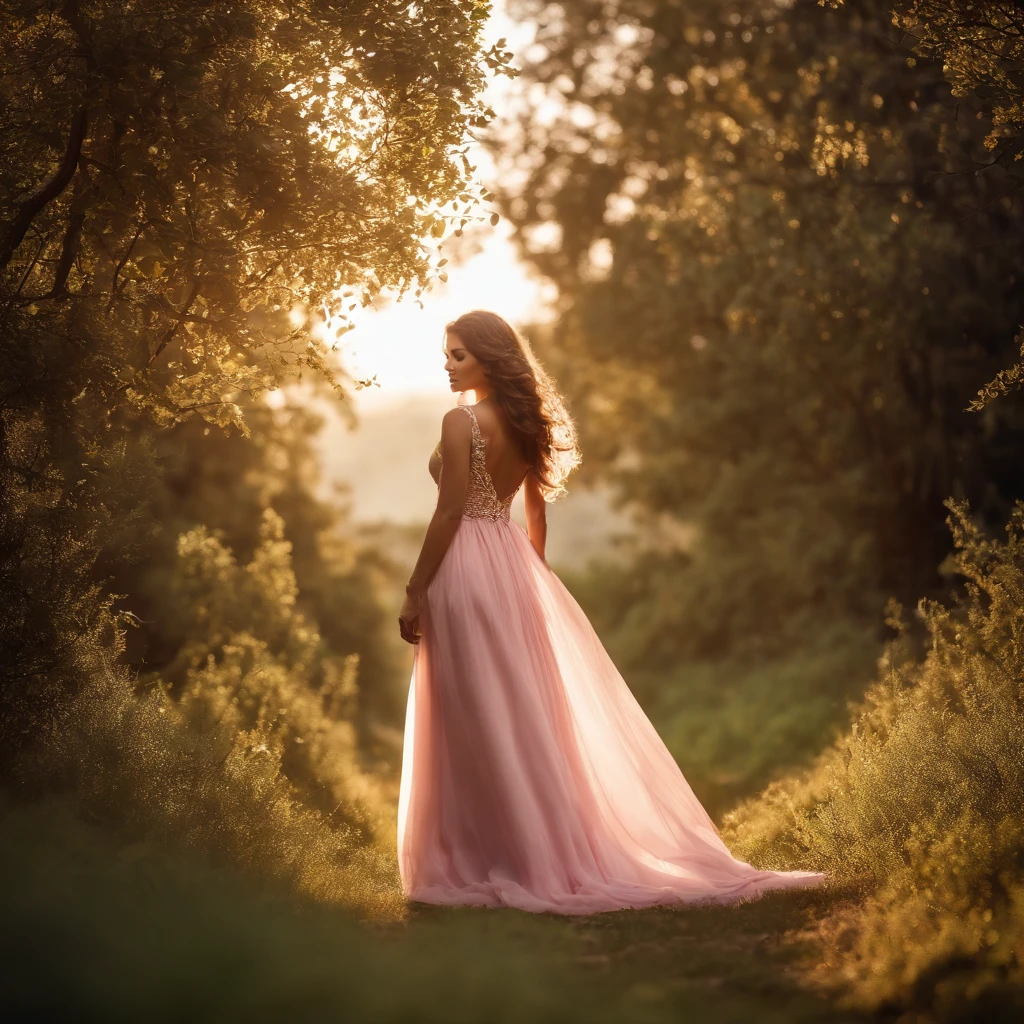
409 617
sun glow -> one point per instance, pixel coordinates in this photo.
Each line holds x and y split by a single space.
398 345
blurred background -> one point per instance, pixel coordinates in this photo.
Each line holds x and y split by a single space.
398 344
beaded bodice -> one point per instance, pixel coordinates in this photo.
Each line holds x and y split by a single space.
482 501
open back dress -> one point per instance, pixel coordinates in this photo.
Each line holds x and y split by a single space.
531 777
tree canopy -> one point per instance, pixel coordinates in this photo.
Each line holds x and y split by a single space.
189 195
192 186
981 46
781 284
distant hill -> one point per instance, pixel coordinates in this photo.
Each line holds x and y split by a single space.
383 463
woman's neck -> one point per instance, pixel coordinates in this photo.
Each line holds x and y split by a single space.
481 394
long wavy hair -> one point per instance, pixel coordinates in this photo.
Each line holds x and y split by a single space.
533 408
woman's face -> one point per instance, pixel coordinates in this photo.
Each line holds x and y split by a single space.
464 372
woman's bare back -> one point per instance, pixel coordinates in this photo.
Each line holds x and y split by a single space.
504 462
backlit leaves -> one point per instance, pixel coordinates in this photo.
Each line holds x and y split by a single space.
263 157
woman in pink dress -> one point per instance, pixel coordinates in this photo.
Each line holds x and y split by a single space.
531 777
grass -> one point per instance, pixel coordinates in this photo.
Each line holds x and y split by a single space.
99 931
712 964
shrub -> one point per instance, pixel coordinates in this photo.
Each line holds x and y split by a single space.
921 801
251 757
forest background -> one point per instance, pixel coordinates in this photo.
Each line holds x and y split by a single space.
784 245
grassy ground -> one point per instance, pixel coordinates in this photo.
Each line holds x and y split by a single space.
96 931
722 965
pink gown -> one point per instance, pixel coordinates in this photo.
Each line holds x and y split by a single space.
531 777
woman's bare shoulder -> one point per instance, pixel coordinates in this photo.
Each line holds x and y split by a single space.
456 423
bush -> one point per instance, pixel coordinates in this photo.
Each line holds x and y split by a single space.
251 758
736 724
921 802
224 480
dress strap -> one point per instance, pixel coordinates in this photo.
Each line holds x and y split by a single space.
472 416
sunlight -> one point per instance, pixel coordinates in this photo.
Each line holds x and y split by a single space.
399 344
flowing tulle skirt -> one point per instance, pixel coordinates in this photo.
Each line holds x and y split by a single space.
531 777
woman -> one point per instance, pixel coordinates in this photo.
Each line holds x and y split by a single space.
531 777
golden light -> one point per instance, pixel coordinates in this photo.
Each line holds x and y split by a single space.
399 344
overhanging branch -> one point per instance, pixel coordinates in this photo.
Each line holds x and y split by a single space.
38 201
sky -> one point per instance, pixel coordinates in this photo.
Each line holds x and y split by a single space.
401 344
384 461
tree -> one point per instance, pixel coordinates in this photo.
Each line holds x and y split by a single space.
222 173
186 192
225 482
777 296
981 46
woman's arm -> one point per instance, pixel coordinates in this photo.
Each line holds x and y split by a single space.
456 436
536 514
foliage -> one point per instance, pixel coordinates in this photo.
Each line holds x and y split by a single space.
776 301
231 170
242 739
56 628
225 481
187 194
734 725
922 800
734 722
981 46
255 758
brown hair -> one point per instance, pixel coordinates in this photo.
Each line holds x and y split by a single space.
533 408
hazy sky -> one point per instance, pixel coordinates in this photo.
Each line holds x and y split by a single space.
385 461
401 344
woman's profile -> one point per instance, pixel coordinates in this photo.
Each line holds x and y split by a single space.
531 777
